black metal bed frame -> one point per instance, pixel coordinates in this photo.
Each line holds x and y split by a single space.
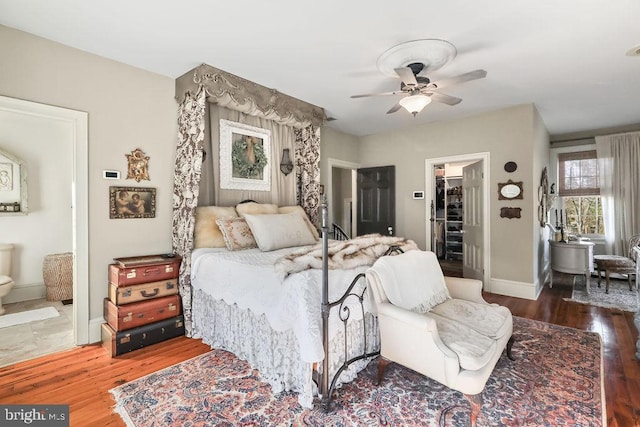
325 384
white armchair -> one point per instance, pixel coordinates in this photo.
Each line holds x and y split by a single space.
440 327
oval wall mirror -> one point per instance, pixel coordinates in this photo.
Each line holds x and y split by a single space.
510 190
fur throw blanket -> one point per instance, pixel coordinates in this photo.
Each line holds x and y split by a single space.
343 254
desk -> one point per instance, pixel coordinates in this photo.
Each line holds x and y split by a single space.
573 258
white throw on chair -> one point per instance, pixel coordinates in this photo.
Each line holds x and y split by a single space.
438 326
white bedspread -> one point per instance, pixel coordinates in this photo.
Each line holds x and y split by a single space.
249 280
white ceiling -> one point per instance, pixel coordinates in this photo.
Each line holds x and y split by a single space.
567 57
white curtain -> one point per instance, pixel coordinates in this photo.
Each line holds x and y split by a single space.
619 167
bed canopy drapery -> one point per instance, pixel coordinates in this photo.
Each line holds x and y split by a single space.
206 86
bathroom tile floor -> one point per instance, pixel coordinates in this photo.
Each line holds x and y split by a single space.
30 340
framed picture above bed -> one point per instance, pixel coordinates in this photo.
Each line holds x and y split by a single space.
132 202
245 157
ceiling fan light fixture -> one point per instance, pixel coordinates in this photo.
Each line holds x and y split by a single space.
415 103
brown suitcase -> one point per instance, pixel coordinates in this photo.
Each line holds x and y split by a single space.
127 294
117 343
132 315
127 276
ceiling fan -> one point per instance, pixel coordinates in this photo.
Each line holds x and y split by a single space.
419 91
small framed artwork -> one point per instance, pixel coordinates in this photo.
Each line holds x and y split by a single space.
132 202
245 157
138 168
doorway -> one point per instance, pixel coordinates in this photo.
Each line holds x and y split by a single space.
341 195
376 200
77 122
453 182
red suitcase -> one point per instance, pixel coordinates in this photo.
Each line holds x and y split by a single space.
134 275
132 315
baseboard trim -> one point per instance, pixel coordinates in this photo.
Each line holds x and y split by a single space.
95 330
514 289
25 293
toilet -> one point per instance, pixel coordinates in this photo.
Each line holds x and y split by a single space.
6 282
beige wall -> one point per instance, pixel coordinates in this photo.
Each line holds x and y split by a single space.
336 145
128 108
508 135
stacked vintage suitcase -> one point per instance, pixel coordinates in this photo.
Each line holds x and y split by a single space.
143 307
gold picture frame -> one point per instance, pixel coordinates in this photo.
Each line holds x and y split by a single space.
138 165
132 202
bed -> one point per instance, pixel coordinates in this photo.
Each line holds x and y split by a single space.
294 312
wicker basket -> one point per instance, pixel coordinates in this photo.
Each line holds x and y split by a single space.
57 270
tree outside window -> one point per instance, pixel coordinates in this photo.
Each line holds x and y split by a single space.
579 190
584 214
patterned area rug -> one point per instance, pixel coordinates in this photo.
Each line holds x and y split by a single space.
619 295
556 379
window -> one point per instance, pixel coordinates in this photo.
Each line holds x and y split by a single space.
579 191
584 214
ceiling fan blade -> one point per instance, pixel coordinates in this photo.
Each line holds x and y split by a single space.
443 98
394 108
377 94
407 76
471 75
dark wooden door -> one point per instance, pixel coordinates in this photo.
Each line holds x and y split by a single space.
376 200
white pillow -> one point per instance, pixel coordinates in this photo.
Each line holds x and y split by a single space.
303 214
277 231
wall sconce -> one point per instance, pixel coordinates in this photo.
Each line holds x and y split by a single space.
286 165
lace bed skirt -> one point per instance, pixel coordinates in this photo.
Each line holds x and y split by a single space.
275 354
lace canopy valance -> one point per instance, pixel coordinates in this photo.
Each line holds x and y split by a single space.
236 93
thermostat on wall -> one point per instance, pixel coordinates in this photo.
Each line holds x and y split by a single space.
418 194
111 174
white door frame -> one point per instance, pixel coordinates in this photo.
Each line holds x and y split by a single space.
342 164
430 185
79 199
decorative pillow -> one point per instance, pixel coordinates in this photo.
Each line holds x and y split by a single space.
279 231
303 214
254 208
206 233
237 234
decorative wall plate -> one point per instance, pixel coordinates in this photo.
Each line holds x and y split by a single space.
510 166
543 191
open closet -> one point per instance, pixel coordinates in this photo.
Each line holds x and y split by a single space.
448 217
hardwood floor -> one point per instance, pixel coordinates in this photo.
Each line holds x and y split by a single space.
619 335
82 377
